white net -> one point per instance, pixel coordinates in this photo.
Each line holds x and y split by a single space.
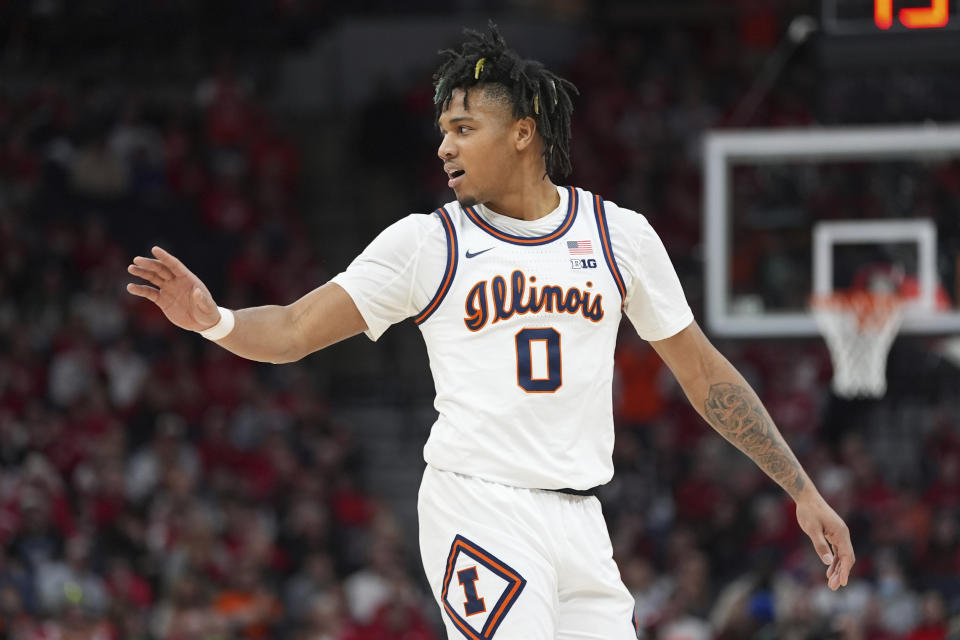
859 328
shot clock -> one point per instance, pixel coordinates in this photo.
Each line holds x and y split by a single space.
878 33
937 14
863 17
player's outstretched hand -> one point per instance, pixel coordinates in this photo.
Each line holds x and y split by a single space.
830 537
181 295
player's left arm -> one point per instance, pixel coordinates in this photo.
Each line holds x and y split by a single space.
721 395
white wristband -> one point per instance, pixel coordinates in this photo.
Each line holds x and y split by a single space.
223 327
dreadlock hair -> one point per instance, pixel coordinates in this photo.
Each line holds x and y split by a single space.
485 60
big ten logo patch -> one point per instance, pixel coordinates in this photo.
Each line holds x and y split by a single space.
583 263
478 589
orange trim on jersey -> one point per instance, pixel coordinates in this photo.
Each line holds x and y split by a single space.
464 628
449 271
608 247
499 612
506 237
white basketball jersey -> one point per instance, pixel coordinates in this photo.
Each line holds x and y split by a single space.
521 335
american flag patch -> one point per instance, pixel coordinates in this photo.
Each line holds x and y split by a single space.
579 247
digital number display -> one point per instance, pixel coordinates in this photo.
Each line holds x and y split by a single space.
880 33
934 16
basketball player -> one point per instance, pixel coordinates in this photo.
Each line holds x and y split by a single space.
518 286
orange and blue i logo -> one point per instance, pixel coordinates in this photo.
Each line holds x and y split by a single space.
468 580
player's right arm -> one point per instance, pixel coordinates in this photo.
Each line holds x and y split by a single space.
270 333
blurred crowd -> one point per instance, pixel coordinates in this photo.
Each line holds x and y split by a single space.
151 484
711 548
154 486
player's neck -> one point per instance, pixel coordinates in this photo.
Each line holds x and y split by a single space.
531 201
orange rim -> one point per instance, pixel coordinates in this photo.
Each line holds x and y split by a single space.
870 308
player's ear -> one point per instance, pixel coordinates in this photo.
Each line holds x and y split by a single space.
525 130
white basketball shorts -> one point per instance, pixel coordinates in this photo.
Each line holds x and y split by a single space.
506 563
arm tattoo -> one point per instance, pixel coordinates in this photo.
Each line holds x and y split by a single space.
736 413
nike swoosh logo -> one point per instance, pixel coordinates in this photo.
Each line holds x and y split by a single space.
474 255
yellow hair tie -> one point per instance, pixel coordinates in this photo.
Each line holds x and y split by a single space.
536 104
476 72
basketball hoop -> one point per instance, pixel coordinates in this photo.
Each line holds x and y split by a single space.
858 327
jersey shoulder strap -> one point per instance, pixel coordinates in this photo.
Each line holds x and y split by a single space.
603 229
450 269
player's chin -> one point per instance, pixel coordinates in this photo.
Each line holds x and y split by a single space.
465 198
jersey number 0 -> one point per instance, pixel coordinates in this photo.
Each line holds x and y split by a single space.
547 341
